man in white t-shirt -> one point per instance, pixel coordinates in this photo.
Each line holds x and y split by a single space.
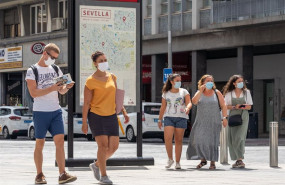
47 114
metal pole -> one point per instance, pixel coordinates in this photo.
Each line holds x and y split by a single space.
169 34
139 114
273 142
224 146
71 68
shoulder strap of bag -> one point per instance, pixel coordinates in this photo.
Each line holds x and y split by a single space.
35 71
114 80
218 99
55 67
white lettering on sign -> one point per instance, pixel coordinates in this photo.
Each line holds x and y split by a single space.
14 85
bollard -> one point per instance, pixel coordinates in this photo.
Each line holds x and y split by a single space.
273 142
224 146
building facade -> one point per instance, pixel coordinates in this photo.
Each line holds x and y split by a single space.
30 25
219 37
222 38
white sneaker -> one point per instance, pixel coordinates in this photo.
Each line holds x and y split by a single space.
105 180
177 166
95 170
169 163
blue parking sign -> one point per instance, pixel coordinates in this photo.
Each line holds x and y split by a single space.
166 73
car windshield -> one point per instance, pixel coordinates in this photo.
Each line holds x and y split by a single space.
22 112
152 109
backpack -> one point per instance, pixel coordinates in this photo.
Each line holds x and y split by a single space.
28 98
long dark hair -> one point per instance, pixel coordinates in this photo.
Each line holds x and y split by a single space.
230 84
167 86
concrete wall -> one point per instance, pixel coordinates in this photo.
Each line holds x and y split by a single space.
222 69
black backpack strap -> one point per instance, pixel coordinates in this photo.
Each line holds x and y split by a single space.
55 67
35 71
218 99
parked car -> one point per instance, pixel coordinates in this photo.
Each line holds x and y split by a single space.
14 121
77 122
149 123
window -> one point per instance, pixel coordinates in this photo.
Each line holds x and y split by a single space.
11 23
206 3
21 112
38 18
149 8
164 7
152 109
188 5
177 6
5 112
63 11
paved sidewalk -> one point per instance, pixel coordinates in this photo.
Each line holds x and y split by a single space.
17 166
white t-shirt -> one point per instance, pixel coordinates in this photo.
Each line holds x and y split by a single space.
229 95
48 102
175 103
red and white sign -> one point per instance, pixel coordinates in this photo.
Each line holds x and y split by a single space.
38 48
95 13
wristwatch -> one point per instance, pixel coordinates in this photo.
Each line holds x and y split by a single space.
158 120
225 117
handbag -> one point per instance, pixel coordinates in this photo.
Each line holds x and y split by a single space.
120 94
235 120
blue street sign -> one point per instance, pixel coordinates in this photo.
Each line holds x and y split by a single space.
166 73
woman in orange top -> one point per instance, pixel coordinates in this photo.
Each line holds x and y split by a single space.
100 108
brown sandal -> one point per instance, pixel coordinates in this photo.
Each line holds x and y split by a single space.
212 166
202 163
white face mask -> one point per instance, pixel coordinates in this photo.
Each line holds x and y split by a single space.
104 66
49 61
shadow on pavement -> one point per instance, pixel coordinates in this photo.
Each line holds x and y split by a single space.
110 168
204 169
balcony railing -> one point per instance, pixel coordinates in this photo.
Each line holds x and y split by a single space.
236 10
147 26
180 22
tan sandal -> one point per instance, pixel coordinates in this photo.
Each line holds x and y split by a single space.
212 166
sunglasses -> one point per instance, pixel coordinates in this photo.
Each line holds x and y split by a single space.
52 57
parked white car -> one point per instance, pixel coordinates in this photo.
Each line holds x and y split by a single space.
77 122
150 127
14 121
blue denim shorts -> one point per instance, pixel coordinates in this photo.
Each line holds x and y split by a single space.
48 121
175 122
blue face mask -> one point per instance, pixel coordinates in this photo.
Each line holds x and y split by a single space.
240 85
209 85
177 85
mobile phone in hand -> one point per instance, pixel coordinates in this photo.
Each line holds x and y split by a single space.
242 106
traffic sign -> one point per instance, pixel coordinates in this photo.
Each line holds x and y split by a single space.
166 73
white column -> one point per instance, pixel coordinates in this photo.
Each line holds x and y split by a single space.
47 3
196 6
155 12
22 25
1 89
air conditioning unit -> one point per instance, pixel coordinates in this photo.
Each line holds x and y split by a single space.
57 24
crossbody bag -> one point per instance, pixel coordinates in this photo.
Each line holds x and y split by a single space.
236 120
